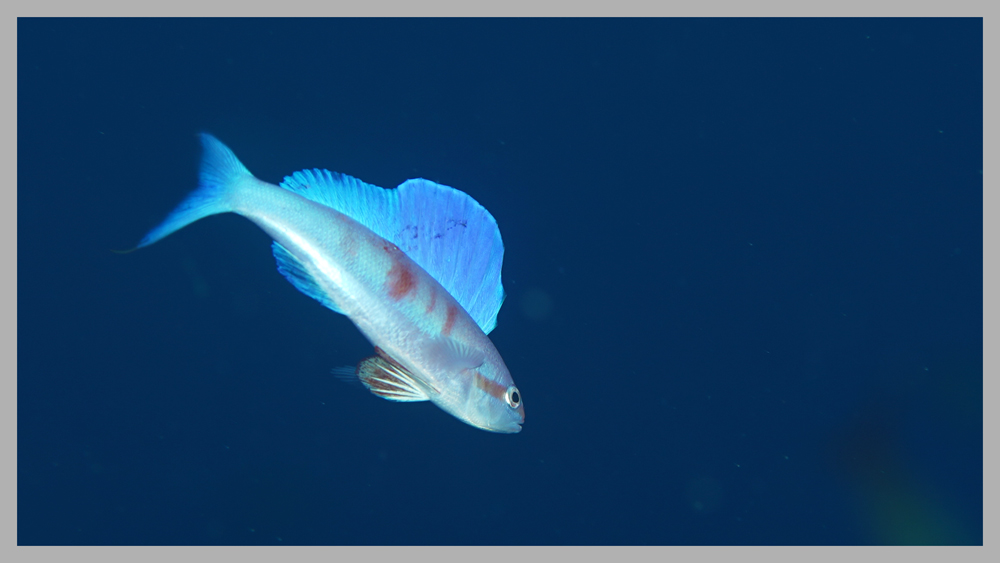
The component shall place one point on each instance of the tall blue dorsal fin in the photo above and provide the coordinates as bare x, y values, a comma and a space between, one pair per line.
370, 205
444, 230
457, 241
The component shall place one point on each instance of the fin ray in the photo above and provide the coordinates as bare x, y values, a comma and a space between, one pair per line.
387, 379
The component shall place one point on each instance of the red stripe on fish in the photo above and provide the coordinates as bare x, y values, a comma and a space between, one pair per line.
433, 300
449, 322
492, 388
400, 279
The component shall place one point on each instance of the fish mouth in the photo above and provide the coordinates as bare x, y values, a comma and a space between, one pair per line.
512, 428
501, 425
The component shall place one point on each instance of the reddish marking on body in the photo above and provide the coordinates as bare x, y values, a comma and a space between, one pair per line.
432, 302
400, 279
449, 321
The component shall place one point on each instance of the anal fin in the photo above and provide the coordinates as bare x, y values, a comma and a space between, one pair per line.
298, 275
389, 380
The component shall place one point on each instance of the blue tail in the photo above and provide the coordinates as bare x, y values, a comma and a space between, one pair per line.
221, 173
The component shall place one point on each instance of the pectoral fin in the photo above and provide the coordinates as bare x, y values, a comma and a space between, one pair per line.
389, 380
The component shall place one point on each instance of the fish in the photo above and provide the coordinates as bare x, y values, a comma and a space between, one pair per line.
416, 268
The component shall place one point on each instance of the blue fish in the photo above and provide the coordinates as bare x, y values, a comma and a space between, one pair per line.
416, 268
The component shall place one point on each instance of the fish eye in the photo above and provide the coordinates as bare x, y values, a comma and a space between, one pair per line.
513, 397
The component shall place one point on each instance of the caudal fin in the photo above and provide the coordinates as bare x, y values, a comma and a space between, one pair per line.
221, 173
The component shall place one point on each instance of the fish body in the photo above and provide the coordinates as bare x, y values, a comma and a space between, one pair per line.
417, 269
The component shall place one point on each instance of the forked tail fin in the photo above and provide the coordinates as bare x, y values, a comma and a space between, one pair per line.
221, 173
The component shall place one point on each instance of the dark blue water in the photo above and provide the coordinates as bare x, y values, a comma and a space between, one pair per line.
743, 264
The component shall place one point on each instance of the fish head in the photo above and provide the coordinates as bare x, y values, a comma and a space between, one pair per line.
492, 400
472, 383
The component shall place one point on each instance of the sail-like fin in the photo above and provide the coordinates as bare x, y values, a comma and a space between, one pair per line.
372, 206
457, 241
444, 230
299, 276
389, 380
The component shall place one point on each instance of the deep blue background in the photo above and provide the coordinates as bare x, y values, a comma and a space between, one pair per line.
743, 265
